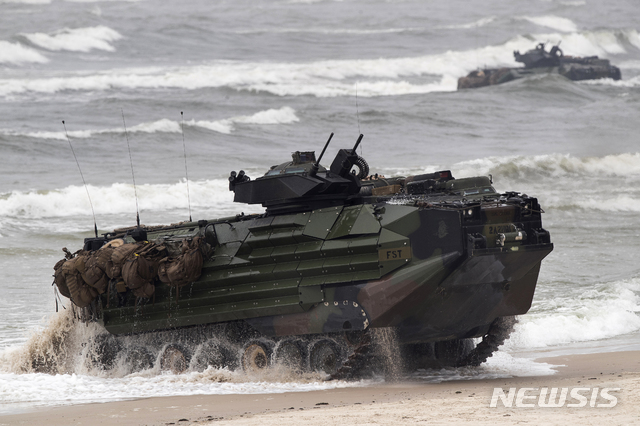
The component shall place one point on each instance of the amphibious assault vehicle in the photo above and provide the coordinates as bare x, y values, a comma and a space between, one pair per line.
539, 61
336, 254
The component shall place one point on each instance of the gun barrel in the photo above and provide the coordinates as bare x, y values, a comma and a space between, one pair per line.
358, 142
325, 148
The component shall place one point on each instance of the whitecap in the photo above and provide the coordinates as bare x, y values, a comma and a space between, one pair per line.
113, 199
77, 39
329, 78
631, 82
475, 24
102, 1
609, 310
631, 65
26, 1
553, 22
16, 53
553, 166
284, 115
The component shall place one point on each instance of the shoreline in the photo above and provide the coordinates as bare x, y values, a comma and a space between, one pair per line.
406, 401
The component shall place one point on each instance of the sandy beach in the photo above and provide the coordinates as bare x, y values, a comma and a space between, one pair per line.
402, 402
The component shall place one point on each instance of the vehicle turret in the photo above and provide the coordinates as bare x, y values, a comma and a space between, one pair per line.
303, 184
539, 57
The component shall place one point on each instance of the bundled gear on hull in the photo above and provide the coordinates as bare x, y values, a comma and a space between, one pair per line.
336, 255
134, 266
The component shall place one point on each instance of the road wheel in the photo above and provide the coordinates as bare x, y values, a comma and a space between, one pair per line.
103, 351
174, 358
451, 352
139, 358
324, 356
256, 356
290, 353
214, 353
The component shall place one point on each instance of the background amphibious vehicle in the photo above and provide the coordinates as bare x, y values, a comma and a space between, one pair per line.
433, 260
539, 61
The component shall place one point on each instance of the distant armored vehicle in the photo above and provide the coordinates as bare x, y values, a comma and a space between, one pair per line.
539, 61
337, 253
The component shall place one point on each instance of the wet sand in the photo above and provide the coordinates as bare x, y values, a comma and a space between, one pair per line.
405, 402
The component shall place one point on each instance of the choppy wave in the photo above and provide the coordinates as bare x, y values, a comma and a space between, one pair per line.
100, 1
574, 3
284, 115
323, 79
16, 53
631, 82
554, 166
26, 1
68, 1
554, 22
602, 202
631, 65
475, 24
610, 310
609, 183
115, 199
323, 30
76, 40
376, 77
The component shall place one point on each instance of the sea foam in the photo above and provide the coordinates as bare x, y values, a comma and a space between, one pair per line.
609, 310
630, 82
114, 199
330, 78
16, 53
557, 165
554, 22
608, 183
76, 40
475, 24
26, 1
284, 115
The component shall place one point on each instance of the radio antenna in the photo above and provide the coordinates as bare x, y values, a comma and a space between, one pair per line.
135, 191
186, 171
95, 226
358, 113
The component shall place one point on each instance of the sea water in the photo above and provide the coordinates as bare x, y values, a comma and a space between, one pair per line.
258, 80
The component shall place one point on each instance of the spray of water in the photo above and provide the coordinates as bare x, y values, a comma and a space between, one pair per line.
47, 350
67, 346
387, 352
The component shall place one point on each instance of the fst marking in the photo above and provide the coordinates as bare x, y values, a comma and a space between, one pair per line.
385, 255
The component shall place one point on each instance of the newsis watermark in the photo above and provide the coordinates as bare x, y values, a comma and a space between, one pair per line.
554, 397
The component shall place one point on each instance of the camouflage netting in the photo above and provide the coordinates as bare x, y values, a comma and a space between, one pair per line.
139, 267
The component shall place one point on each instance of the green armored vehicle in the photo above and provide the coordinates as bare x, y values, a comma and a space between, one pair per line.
539, 61
337, 254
